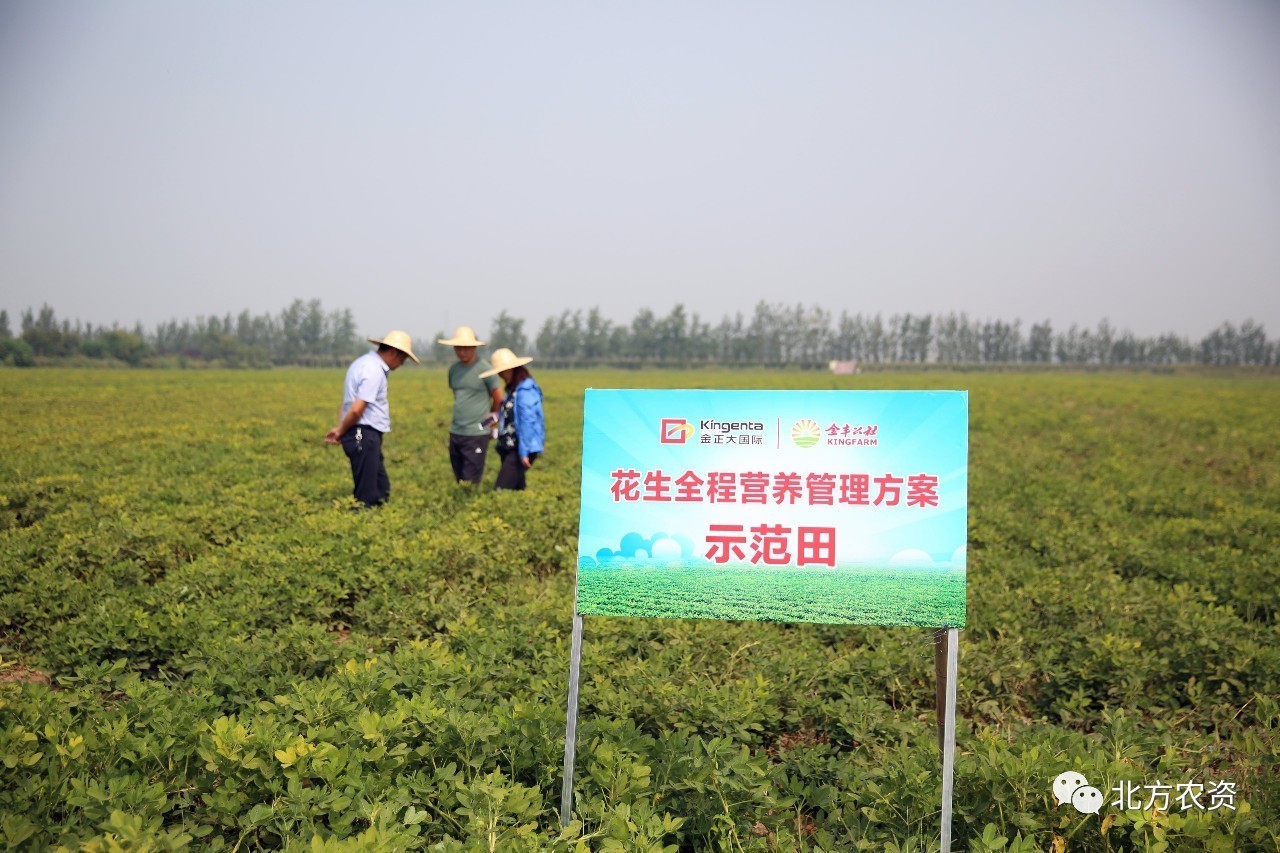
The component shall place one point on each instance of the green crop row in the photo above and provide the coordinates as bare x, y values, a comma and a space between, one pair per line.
202, 646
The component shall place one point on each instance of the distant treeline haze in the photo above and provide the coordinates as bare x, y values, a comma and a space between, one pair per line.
303, 333
778, 335
773, 335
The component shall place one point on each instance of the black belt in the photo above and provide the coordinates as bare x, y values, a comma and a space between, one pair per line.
365, 426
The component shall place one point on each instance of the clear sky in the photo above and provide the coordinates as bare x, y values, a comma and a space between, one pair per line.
428, 164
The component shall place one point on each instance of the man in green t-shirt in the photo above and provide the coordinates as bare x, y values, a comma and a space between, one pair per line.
474, 402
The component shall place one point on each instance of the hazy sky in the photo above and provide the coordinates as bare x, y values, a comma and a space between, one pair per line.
429, 164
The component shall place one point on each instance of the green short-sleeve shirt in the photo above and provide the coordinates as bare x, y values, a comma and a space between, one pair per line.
472, 399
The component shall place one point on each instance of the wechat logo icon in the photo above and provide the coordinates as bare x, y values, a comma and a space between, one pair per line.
1072, 787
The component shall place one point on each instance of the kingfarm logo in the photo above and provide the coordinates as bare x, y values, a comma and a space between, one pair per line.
674, 431
807, 432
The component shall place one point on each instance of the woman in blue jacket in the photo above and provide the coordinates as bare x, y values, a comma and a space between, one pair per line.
521, 429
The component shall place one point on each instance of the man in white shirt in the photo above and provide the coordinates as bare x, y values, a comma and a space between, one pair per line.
365, 416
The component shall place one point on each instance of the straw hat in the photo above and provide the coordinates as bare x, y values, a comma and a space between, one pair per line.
463, 336
504, 359
397, 339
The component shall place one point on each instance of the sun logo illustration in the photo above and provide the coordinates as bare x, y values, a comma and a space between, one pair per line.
806, 433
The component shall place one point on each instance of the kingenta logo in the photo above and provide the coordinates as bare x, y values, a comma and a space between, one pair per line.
712, 425
674, 431
679, 430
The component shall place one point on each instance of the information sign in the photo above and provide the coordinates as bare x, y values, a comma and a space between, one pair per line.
789, 506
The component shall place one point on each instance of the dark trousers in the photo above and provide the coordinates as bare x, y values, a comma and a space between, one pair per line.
466, 455
363, 445
511, 474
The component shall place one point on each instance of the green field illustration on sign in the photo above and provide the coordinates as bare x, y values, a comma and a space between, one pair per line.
844, 507
924, 597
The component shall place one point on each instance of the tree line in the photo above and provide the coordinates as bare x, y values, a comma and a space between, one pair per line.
771, 336
303, 333
812, 337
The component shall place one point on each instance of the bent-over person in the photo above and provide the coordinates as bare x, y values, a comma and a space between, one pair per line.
522, 429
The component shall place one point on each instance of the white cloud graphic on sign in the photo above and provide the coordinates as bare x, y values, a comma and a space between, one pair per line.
659, 546
667, 549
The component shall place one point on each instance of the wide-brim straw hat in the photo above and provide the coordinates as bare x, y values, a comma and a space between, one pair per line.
463, 336
398, 340
504, 359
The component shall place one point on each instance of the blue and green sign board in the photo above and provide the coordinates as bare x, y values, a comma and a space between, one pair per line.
787, 506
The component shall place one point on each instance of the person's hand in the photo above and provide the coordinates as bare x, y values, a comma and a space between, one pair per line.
524, 460
332, 436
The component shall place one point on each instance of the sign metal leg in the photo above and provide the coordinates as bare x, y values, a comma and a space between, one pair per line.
952, 653
571, 727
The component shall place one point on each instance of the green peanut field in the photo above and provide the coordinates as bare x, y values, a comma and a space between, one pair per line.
203, 647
